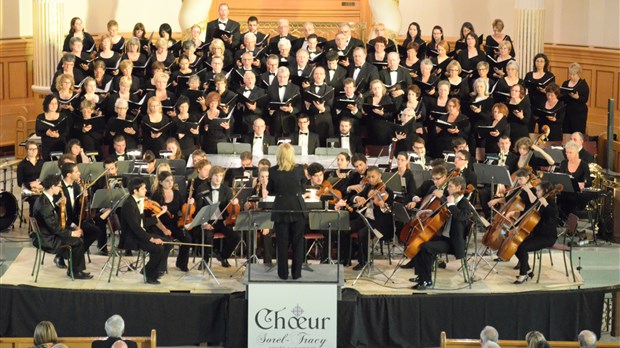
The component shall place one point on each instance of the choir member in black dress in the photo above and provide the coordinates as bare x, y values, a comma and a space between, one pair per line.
286, 183
167, 195
451, 239
118, 42
82, 58
441, 61
414, 35
28, 172
102, 80
123, 93
139, 32
436, 108
491, 44
380, 114
68, 101
498, 62
482, 69
320, 112
584, 155
543, 235
500, 128
414, 101
552, 113
164, 96
436, 38
196, 62
427, 81
194, 36
123, 125
162, 54
470, 57
180, 77
525, 148
579, 171
478, 109
108, 56
575, 94
361, 71
460, 127
126, 69
188, 127
66, 66
411, 60
519, 113
215, 125
51, 126
501, 94
459, 86
89, 89
379, 31
91, 127
408, 130
460, 44
77, 30
156, 127
250, 108
377, 55
536, 81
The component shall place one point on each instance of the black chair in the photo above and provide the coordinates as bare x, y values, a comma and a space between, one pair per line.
39, 257
464, 267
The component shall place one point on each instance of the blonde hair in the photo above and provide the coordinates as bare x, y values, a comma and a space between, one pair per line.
571, 145
285, 157
453, 64
45, 332
64, 77
575, 68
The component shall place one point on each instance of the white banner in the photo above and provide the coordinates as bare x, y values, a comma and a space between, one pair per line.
298, 315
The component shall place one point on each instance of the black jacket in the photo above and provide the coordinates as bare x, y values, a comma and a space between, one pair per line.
288, 187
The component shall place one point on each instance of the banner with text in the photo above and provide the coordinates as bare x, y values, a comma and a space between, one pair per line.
292, 315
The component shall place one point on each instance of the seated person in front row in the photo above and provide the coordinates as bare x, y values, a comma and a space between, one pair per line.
135, 235
52, 235
259, 192
450, 239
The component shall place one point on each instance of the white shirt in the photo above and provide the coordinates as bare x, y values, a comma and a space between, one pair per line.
71, 193
303, 142
257, 146
331, 74
215, 194
281, 91
140, 203
356, 72
393, 77
344, 142
222, 24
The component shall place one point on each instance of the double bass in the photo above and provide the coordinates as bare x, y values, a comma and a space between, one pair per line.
522, 229
426, 229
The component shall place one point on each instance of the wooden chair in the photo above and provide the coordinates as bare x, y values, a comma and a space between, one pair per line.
39, 257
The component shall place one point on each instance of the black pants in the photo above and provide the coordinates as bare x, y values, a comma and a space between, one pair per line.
531, 243
77, 253
230, 241
267, 244
183, 237
290, 233
158, 256
423, 261
92, 232
485, 196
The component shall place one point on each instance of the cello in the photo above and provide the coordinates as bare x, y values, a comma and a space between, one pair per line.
522, 229
427, 228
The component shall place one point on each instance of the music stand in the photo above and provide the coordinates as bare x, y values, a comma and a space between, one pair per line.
369, 266
570, 185
329, 151
204, 215
90, 170
492, 175
327, 220
557, 154
252, 221
233, 148
477, 221
124, 167
49, 167
419, 175
399, 212
110, 198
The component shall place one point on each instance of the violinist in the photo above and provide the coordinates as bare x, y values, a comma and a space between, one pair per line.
266, 235
374, 201
343, 161
167, 195
543, 235
215, 192
357, 177
405, 175
52, 235
452, 237
525, 147
462, 159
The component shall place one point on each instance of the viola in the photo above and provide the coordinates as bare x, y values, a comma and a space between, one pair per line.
187, 210
233, 211
154, 207
327, 189
63, 211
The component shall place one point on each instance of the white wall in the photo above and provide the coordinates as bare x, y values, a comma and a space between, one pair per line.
575, 22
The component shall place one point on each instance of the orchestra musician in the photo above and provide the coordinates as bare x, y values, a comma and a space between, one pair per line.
405, 176
259, 140
74, 148
525, 147
52, 235
523, 187
247, 170
136, 236
505, 158
543, 235
452, 236
348, 139
215, 192
260, 192
343, 161
28, 172
419, 153
374, 201
360, 163
584, 155
579, 171
286, 182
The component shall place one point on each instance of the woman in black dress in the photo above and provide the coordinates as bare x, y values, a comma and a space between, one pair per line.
436, 38
28, 172
575, 94
162, 54
108, 56
215, 125
491, 44
469, 57
580, 173
411, 61
436, 108
525, 148
381, 120
118, 42
414, 35
286, 182
478, 111
500, 127
51, 126
405, 177
536, 81
187, 126
543, 235
519, 113
440, 63
77, 30
459, 86
167, 195
552, 113
156, 127
460, 127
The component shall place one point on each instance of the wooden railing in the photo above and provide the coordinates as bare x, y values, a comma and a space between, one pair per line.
467, 343
77, 342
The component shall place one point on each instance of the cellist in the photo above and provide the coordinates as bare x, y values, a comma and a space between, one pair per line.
452, 238
543, 235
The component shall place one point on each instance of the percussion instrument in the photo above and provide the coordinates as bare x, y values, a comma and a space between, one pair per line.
8, 210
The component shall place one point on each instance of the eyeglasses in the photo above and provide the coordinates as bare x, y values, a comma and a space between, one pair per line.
438, 178
33, 149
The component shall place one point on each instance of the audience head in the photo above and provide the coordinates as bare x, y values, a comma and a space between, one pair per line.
586, 339
533, 337
115, 326
45, 332
488, 334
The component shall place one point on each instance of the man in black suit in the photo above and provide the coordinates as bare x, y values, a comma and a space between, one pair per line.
114, 328
349, 105
462, 163
247, 170
308, 141
215, 192
302, 42
208, 77
135, 235
236, 78
316, 56
361, 71
269, 78
253, 28
258, 139
505, 158
120, 148
52, 235
347, 137
283, 33
395, 78
584, 155
301, 71
282, 116
339, 46
227, 24
249, 45
248, 112
450, 240
335, 74
320, 111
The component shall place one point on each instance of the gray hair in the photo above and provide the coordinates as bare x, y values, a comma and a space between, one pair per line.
512, 64
120, 102
490, 344
572, 146
284, 43
427, 61
115, 326
284, 69
485, 83
119, 344
586, 339
249, 35
489, 334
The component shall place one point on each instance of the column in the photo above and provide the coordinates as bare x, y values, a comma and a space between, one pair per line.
530, 33
48, 33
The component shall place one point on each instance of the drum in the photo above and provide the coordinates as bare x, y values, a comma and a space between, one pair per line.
8, 210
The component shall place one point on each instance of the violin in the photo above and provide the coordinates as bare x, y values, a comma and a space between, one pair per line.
327, 189
187, 210
62, 204
233, 211
154, 207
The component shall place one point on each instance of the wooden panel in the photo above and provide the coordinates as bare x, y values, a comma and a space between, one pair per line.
18, 80
603, 88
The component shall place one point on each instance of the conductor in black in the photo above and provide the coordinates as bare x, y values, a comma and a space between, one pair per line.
286, 182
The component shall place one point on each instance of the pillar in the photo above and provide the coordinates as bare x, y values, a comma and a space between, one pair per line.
48, 33
530, 35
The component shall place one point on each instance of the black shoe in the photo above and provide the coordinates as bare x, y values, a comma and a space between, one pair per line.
142, 271
82, 275
182, 268
128, 253
415, 280
295, 277
103, 252
225, 263
152, 281
521, 279
359, 266
422, 285
408, 265
60, 262
160, 274
441, 264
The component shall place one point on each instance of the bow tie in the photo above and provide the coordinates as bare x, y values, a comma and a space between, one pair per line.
300, 70
215, 189
344, 135
282, 86
272, 74
258, 137
393, 71
70, 187
332, 70
358, 67
302, 133
247, 90
218, 22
